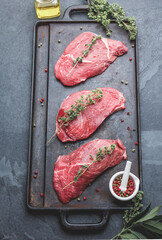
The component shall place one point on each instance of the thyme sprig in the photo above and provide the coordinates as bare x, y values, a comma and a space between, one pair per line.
101, 153
79, 106
102, 11
85, 52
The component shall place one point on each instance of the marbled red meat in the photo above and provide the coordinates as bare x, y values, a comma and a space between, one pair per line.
89, 119
103, 53
67, 167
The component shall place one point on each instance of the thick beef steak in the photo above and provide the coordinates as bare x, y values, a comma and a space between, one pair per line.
100, 56
89, 119
73, 172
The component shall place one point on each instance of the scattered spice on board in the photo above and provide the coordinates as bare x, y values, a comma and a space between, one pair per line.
117, 190
42, 34
38, 100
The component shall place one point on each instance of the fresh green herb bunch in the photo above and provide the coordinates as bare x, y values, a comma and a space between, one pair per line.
101, 153
148, 224
79, 106
102, 11
135, 210
85, 52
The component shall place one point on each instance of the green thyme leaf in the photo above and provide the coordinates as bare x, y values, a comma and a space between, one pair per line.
85, 166
75, 179
79, 171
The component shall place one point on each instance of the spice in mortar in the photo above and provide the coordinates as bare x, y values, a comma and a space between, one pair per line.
117, 190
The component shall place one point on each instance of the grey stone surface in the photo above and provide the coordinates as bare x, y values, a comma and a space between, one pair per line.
17, 19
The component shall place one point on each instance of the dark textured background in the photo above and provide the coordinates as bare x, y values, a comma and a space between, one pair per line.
17, 19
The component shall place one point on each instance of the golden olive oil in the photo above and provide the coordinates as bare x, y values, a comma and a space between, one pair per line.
47, 8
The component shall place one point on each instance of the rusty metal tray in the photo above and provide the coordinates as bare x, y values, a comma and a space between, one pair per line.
44, 84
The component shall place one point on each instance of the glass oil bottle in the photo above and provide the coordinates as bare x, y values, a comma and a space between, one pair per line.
47, 8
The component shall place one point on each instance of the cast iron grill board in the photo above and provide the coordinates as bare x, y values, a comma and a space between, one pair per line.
42, 158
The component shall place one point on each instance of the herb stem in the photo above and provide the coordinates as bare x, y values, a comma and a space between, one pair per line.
79, 106
84, 52
100, 155
79, 176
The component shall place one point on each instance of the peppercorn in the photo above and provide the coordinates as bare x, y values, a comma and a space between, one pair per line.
41, 194
59, 41
122, 120
97, 190
129, 190
126, 83
81, 28
35, 176
122, 81
36, 172
128, 128
128, 113
34, 125
133, 150
132, 45
130, 59
136, 143
46, 70
84, 198
78, 199
134, 129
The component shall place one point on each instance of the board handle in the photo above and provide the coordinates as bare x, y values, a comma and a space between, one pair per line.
84, 226
75, 8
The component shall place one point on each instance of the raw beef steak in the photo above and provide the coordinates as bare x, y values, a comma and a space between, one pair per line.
68, 167
100, 56
91, 118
